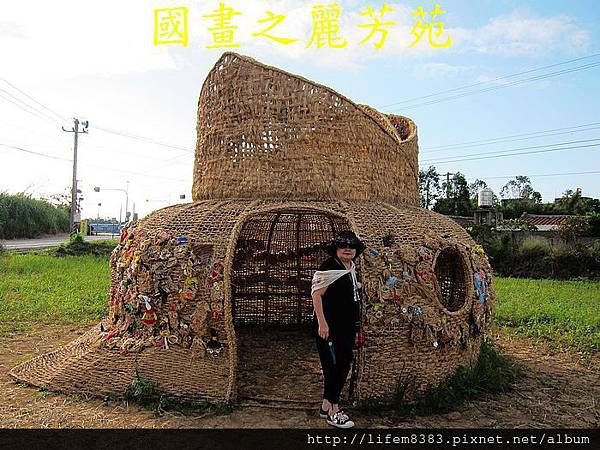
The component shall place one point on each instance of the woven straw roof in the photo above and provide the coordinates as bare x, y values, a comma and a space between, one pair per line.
265, 133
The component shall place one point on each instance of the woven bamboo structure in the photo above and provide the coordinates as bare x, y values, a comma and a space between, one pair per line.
211, 300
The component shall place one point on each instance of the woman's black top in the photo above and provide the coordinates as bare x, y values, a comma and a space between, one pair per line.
341, 311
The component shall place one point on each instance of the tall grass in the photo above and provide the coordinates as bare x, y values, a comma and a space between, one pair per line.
563, 313
24, 217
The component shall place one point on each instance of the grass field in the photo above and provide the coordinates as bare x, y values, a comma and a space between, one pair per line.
43, 288
74, 289
565, 313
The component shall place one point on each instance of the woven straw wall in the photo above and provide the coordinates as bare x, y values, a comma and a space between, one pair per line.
271, 143
264, 133
408, 330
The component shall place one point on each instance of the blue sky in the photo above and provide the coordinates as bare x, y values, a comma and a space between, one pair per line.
96, 60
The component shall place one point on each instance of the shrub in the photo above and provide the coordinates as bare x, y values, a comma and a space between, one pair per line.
534, 259
77, 246
24, 217
502, 253
594, 225
538, 258
573, 227
575, 261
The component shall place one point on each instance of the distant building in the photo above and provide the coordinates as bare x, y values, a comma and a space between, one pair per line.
545, 222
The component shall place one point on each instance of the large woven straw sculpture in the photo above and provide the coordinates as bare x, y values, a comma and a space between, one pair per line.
211, 300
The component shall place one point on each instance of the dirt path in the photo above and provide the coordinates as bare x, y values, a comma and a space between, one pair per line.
557, 391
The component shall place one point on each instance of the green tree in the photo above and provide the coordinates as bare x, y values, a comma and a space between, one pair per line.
458, 200
429, 186
573, 227
572, 202
521, 188
475, 187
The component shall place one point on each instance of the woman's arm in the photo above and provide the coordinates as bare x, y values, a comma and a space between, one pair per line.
317, 298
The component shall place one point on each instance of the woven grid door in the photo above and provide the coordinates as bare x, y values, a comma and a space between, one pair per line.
276, 256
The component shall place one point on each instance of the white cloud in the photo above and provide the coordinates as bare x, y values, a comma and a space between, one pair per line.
429, 70
111, 37
514, 34
66, 39
518, 35
11, 30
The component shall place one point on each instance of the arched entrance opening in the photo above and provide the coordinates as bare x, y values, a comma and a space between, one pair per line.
275, 257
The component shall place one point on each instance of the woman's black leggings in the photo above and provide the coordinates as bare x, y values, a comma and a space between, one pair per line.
335, 361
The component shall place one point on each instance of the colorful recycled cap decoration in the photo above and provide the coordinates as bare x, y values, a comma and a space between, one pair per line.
480, 285
478, 249
214, 347
424, 253
373, 252
391, 281
416, 310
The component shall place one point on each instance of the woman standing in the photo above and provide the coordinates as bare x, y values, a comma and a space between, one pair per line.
336, 320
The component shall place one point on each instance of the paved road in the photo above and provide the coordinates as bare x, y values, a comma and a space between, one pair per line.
48, 241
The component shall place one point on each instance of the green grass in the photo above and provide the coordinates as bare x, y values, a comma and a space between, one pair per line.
46, 289
562, 313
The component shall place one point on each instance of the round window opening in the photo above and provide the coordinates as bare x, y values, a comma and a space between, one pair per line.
450, 272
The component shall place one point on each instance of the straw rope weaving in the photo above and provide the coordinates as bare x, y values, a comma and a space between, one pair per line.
206, 295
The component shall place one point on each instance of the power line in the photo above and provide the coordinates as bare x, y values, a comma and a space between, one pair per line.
516, 149
544, 175
443, 175
504, 139
29, 131
34, 153
135, 173
26, 108
111, 169
495, 88
410, 100
145, 139
61, 118
168, 161
145, 156
516, 154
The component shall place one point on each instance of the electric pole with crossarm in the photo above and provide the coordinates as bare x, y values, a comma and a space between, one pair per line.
75, 130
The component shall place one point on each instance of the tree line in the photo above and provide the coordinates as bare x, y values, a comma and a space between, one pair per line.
454, 195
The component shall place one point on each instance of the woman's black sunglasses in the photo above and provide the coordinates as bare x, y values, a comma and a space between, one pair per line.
346, 245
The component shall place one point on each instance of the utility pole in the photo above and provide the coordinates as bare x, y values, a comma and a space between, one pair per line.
127, 202
448, 184
75, 130
126, 191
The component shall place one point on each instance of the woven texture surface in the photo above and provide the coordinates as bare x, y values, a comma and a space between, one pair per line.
411, 330
282, 164
265, 133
